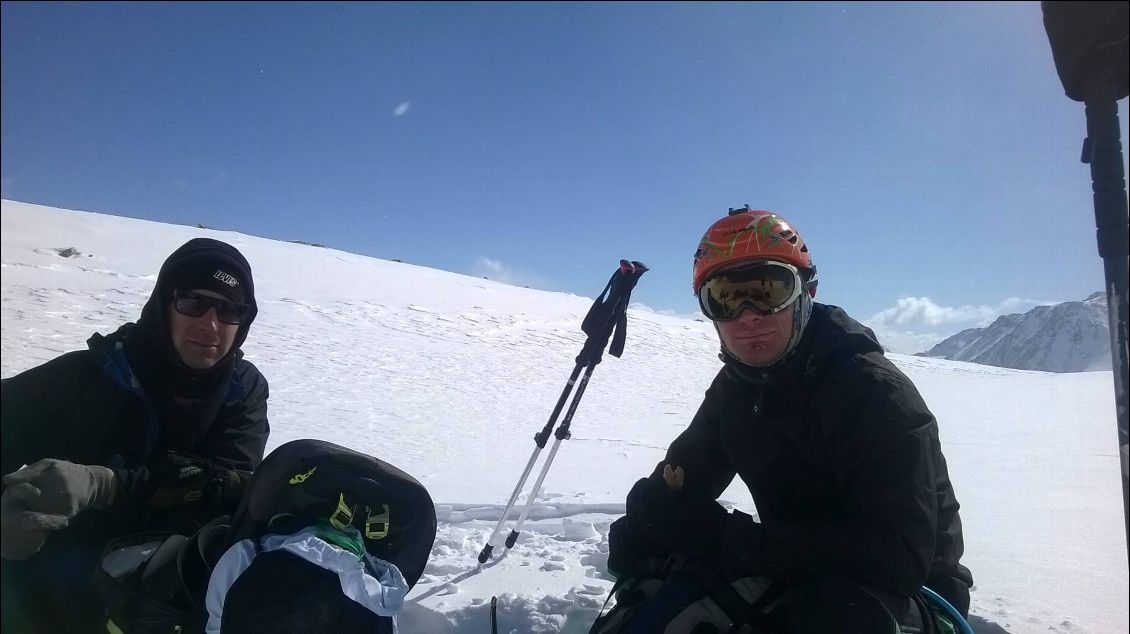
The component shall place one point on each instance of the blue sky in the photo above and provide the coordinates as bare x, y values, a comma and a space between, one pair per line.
925, 151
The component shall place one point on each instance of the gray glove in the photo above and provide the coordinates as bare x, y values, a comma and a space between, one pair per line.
66, 488
22, 531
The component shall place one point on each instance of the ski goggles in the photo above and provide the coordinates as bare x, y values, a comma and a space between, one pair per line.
765, 287
195, 305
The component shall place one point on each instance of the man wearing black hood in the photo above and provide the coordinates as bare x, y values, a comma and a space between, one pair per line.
838, 450
153, 428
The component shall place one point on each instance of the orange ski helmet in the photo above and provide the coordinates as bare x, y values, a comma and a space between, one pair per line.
745, 235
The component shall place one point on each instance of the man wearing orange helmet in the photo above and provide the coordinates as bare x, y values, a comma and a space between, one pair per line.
837, 447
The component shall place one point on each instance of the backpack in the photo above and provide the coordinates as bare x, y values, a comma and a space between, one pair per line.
151, 583
324, 539
676, 595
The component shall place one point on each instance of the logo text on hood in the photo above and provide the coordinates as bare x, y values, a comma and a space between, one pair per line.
226, 278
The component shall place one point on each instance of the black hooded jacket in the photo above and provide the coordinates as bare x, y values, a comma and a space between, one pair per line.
89, 407
843, 461
123, 403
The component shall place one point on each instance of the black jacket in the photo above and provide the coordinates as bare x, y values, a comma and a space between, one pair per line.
88, 407
843, 461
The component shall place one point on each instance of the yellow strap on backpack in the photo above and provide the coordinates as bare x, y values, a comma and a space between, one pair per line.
343, 516
376, 526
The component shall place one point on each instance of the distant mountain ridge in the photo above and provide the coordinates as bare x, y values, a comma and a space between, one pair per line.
1067, 337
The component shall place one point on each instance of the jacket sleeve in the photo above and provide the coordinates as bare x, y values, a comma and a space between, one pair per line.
238, 438
17, 443
879, 435
698, 450
28, 417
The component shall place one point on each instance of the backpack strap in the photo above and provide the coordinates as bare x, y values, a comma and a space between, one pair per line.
160, 578
655, 568
740, 611
611, 593
927, 615
718, 590
946, 611
757, 616
198, 557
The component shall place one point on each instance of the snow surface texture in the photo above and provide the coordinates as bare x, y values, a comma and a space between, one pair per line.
448, 377
1067, 337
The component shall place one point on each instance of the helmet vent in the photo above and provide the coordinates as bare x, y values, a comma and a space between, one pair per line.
789, 236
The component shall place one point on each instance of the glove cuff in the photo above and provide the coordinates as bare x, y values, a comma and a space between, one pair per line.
104, 489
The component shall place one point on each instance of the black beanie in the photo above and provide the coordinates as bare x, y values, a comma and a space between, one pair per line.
203, 263
213, 270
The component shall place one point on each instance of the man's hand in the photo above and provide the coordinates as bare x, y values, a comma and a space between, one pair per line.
674, 477
178, 480
684, 524
66, 488
23, 531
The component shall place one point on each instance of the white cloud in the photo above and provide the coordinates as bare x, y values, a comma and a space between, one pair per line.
904, 342
666, 311
402, 109
493, 269
922, 311
916, 324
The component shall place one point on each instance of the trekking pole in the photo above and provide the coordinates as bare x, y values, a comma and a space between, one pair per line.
562, 434
608, 314
1103, 151
540, 439
1089, 42
617, 313
494, 615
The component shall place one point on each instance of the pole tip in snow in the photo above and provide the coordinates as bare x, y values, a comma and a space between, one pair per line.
484, 554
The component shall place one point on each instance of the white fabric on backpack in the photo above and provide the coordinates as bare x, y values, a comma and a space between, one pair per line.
382, 594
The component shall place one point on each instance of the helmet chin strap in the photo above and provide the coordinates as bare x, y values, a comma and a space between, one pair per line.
801, 314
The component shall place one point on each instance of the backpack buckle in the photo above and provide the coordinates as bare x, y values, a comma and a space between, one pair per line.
343, 515
376, 526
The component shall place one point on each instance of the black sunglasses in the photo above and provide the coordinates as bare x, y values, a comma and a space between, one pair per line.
195, 305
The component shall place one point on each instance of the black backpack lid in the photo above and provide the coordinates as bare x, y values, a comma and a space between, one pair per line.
310, 478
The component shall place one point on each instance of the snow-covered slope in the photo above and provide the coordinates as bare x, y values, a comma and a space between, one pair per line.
1067, 337
448, 377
